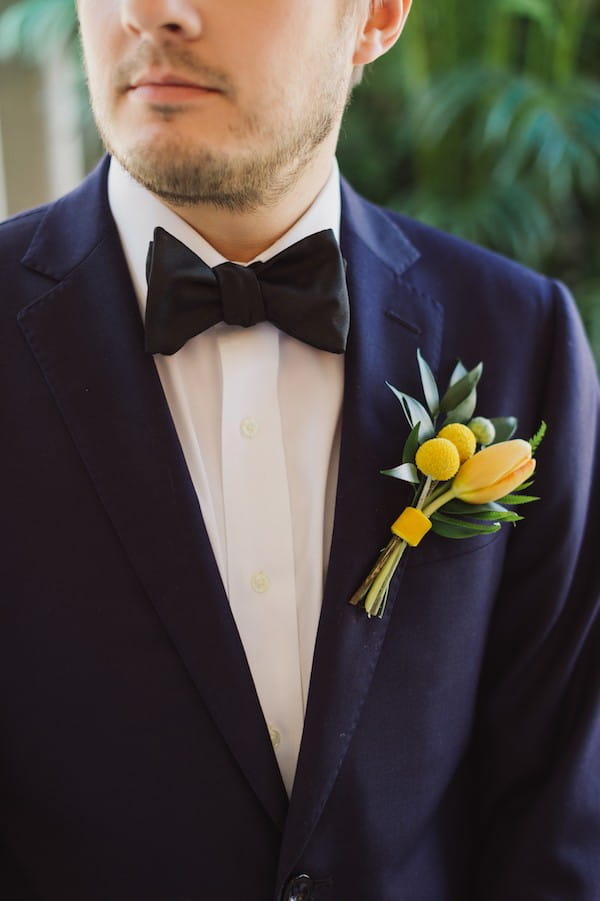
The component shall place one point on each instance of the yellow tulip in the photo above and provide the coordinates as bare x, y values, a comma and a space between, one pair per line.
494, 472
488, 475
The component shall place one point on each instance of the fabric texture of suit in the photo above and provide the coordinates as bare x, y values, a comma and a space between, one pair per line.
450, 751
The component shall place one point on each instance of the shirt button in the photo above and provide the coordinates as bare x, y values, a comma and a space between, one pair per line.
248, 427
275, 736
260, 582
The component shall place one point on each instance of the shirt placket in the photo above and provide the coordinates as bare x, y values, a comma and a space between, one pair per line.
260, 570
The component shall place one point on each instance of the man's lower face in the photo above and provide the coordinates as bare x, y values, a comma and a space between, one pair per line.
175, 156
234, 137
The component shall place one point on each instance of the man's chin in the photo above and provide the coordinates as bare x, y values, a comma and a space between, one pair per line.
182, 172
186, 180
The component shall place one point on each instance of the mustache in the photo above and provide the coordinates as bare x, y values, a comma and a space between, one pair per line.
174, 59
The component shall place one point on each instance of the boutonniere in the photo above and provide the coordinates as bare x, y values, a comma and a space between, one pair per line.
466, 471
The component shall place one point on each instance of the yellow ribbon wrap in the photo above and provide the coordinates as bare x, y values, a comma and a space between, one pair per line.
412, 525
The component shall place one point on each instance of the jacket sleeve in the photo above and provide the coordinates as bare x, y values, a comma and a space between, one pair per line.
537, 741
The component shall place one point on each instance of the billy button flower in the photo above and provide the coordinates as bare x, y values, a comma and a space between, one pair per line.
438, 459
462, 437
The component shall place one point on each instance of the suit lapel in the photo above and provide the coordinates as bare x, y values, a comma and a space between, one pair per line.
390, 320
86, 335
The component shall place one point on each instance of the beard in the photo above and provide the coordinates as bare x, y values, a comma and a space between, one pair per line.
241, 182
272, 150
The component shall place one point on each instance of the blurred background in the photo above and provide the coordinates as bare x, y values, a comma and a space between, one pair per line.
484, 121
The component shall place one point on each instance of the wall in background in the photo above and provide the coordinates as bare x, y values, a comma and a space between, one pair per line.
41, 146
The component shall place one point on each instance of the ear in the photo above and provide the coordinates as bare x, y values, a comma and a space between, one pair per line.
380, 29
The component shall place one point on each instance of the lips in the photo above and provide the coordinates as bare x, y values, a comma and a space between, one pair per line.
168, 87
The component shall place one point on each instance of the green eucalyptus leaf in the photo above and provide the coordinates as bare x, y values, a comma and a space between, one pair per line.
524, 486
449, 530
514, 499
459, 372
496, 516
505, 426
406, 471
415, 412
471, 525
430, 389
412, 445
460, 390
484, 512
461, 508
464, 411
448, 527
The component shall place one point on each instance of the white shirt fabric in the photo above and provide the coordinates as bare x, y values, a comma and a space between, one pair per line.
258, 417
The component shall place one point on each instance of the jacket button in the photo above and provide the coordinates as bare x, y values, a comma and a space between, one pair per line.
299, 888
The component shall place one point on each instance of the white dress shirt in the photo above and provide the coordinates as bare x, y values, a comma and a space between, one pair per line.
258, 417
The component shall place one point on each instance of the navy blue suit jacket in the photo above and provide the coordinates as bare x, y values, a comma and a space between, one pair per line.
450, 751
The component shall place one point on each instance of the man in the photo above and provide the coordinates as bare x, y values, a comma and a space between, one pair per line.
189, 707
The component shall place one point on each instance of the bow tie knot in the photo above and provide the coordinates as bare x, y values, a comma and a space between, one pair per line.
241, 296
302, 291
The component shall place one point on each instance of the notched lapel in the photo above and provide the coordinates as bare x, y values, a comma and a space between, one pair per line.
87, 336
390, 320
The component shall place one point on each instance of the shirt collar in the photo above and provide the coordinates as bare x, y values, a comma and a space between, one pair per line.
137, 212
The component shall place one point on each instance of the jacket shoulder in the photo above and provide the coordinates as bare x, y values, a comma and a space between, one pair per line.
440, 262
42, 246
475, 280
17, 232
453, 252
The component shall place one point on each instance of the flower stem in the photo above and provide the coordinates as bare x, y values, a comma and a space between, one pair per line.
424, 493
377, 595
438, 488
381, 561
438, 502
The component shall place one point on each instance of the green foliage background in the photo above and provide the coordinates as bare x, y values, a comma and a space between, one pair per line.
483, 121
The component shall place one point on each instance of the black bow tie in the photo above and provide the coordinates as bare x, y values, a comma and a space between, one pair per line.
302, 291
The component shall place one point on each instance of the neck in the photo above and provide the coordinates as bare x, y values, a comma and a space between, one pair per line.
242, 236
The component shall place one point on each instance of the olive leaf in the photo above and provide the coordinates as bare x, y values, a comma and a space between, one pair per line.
505, 426
415, 412
458, 373
412, 445
448, 527
430, 388
406, 471
459, 391
515, 498
491, 511
464, 411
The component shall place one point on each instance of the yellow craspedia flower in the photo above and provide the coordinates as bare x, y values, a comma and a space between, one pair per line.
438, 458
461, 437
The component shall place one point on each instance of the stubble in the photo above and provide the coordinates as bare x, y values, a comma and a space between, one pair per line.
272, 149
